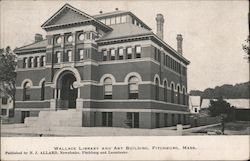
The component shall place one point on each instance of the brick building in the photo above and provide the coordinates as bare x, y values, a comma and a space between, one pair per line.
110, 68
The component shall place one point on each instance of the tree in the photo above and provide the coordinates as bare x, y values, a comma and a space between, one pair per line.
221, 107
246, 49
8, 73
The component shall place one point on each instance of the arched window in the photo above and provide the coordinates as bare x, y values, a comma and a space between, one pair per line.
156, 89
26, 91
165, 91
172, 93
178, 94
108, 88
184, 96
133, 87
43, 90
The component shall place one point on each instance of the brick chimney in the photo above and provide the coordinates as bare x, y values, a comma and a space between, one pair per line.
38, 37
159, 24
179, 43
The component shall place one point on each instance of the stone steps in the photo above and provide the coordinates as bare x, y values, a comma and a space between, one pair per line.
60, 118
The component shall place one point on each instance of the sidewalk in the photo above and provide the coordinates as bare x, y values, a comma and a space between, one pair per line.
21, 130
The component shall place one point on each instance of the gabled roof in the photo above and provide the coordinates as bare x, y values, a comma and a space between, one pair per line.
69, 15
34, 46
125, 30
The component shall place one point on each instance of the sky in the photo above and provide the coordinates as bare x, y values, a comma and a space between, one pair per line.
213, 31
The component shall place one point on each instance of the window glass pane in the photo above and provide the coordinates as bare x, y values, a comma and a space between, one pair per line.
108, 21
123, 19
112, 52
4, 100
112, 20
81, 54
118, 19
105, 54
129, 50
58, 54
138, 49
70, 56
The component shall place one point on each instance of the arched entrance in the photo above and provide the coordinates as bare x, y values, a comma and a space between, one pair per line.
67, 94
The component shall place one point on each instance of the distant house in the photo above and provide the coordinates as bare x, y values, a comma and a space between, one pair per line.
194, 104
6, 105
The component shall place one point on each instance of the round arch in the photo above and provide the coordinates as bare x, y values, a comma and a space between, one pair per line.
165, 81
184, 91
26, 80
41, 82
172, 83
60, 72
132, 74
106, 76
157, 77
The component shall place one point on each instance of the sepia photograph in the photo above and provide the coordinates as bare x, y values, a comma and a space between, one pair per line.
76, 70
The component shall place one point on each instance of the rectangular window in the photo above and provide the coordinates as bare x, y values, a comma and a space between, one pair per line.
179, 118
129, 53
108, 91
173, 120
118, 19
133, 119
3, 112
107, 119
105, 55
58, 57
87, 52
112, 20
81, 52
124, 19
165, 119
112, 53
108, 21
25, 60
4, 101
120, 53
157, 120
69, 54
35, 61
138, 51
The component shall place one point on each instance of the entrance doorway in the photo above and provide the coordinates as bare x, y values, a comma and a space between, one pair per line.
68, 94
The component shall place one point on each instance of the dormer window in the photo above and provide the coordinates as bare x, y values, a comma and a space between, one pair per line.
124, 19
108, 21
112, 20
118, 19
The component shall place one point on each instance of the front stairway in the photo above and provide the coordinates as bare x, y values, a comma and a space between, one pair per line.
63, 118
